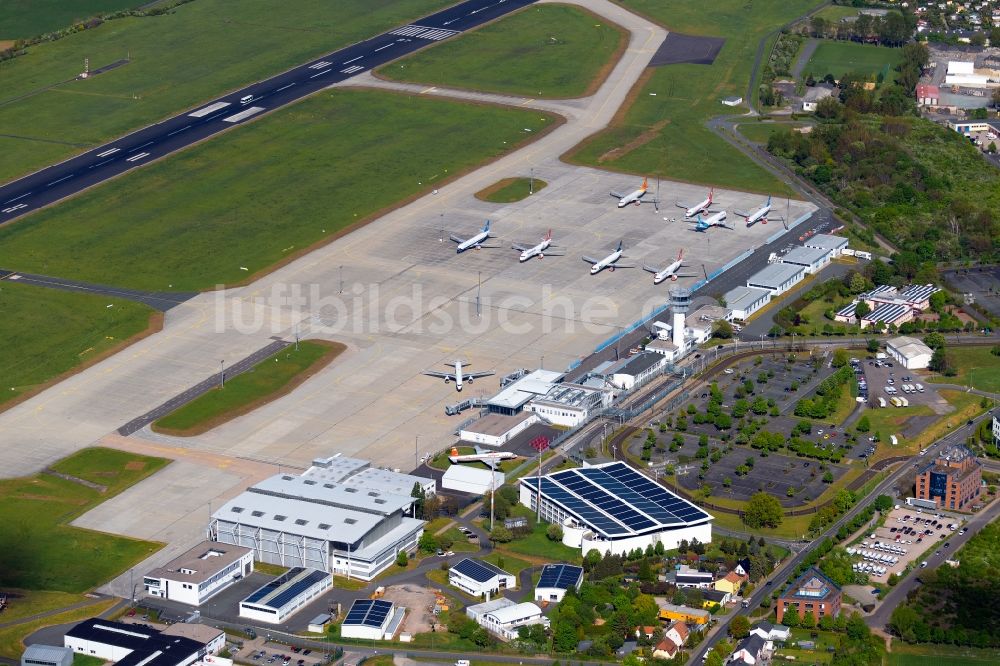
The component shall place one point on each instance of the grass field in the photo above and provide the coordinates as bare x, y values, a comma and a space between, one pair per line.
976, 367
509, 564
665, 135
12, 638
836, 12
538, 545
265, 192
194, 53
904, 654
540, 51
510, 190
25, 603
839, 58
47, 333
86, 660
270, 379
761, 132
20, 19
51, 555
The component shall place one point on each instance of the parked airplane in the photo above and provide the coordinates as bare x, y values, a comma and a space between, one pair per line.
610, 262
634, 197
668, 272
458, 376
491, 459
540, 250
475, 241
717, 220
760, 215
698, 208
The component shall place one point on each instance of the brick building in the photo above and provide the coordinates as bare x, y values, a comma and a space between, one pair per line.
813, 593
954, 480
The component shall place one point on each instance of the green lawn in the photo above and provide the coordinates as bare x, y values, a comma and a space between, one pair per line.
836, 12
20, 19
12, 638
510, 190
839, 58
540, 51
264, 192
51, 555
891, 420
266, 381
459, 542
178, 60
976, 366
761, 132
86, 660
25, 603
664, 134
904, 654
46, 333
509, 564
538, 545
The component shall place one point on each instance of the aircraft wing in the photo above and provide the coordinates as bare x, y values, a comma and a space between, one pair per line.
617, 195
457, 239
681, 204
442, 375
523, 247
616, 265
742, 213
477, 375
647, 267
680, 275
591, 260
553, 253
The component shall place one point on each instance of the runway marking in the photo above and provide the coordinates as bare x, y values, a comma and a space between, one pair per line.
428, 90
60, 180
108, 152
94, 166
321, 65
352, 69
243, 114
381, 48
16, 198
325, 71
179, 131
284, 87
13, 208
209, 109
423, 32
352, 60
137, 157
148, 143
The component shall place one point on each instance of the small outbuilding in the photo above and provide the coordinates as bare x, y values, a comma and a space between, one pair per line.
555, 580
473, 480
47, 655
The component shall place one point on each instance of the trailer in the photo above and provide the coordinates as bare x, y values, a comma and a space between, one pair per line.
881, 401
903, 402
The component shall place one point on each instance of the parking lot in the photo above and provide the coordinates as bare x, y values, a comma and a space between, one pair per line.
888, 379
983, 283
907, 536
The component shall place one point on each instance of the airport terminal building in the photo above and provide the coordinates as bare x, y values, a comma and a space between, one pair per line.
614, 508
339, 516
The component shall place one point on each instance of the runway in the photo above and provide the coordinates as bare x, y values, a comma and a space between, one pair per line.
150, 143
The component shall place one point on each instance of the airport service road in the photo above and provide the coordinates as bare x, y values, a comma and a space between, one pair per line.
155, 141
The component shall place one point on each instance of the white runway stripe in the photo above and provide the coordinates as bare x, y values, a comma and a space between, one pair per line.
209, 109
320, 65
246, 113
135, 158
352, 69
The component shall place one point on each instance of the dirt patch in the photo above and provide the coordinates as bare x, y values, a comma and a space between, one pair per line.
6, 44
335, 349
418, 601
637, 142
135, 465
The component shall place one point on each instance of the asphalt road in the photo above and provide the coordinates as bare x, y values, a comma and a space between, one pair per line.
155, 141
780, 577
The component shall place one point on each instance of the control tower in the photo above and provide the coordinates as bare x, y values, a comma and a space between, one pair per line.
680, 302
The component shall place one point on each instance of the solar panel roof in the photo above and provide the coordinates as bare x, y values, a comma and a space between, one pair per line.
616, 500
286, 587
477, 570
560, 576
369, 613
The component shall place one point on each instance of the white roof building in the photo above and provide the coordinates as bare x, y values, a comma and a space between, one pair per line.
570, 404
286, 595
474, 480
555, 580
911, 353
665, 348
47, 655
834, 244
777, 278
200, 573
497, 429
505, 620
513, 398
479, 578
744, 301
812, 259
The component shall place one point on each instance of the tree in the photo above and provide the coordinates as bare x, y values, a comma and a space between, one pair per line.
861, 310
500, 534
943, 362
427, 542
723, 329
554, 532
872, 345
840, 358
882, 503
739, 627
829, 107
402, 559
863, 424
934, 340
762, 510
938, 300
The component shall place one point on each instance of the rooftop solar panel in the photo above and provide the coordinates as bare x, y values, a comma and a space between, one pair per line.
286, 587
368, 612
478, 571
559, 576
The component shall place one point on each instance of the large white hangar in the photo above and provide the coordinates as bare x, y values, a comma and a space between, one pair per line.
612, 507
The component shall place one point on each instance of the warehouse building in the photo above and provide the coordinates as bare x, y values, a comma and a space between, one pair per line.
132, 645
571, 404
284, 596
339, 516
497, 429
744, 301
47, 655
555, 580
613, 508
200, 573
480, 578
372, 619
909, 352
777, 278
812, 259
472, 480
835, 245
502, 617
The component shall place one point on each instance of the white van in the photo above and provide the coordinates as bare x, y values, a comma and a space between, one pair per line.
246, 99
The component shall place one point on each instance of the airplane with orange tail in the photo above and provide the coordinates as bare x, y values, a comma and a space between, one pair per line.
491, 459
634, 197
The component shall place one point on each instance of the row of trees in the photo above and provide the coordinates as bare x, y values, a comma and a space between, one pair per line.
828, 394
893, 29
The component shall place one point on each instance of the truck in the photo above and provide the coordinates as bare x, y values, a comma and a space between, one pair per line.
903, 402
881, 356
881, 401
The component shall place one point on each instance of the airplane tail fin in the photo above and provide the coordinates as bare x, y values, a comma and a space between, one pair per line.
768, 199
645, 184
548, 236
619, 248
680, 255
486, 227
711, 194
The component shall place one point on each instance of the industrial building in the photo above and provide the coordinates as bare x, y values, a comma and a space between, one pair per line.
777, 278
497, 429
132, 645
472, 480
570, 404
555, 580
811, 593
284, 596
812, 259
372, 619
909, 352
502, 616
632, 372
513, 398
953, 481
200, 573
744, 301
835, 245
480, 578
339, 516
889, 305
613, 508
47, 655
